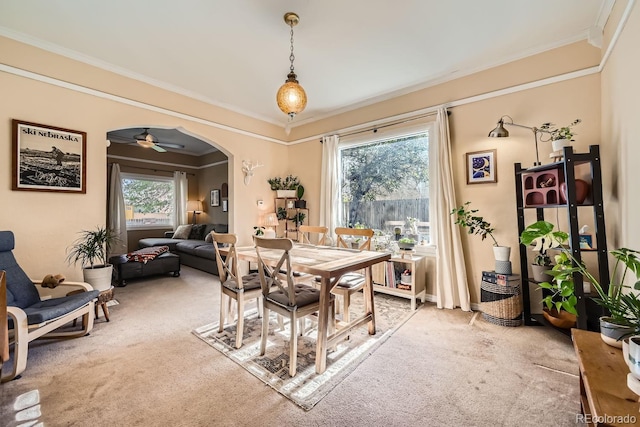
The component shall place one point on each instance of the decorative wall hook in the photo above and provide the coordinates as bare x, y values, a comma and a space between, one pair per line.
247, 169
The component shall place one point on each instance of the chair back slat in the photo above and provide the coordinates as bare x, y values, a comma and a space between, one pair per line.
366, 233
228, 267
304, 232
279, 274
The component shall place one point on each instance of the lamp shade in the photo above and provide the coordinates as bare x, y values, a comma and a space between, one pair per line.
270, 220
291, 97
499, 131
194, 205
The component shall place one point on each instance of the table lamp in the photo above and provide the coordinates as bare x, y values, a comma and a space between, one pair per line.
269, 221
196, 207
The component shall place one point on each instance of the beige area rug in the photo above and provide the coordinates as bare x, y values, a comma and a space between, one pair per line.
306, 388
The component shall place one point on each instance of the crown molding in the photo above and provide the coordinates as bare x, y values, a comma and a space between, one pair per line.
155, 162
89, 60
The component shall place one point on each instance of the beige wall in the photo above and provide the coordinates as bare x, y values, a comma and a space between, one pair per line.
558, 102
621, 129
47, 223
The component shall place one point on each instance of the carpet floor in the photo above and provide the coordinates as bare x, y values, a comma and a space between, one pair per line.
146, 368
306, 388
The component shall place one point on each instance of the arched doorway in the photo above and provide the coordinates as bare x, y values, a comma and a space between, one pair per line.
153, 154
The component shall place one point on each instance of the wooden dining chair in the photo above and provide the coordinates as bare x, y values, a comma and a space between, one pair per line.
351, 282
232, 285
305, 232
285, 297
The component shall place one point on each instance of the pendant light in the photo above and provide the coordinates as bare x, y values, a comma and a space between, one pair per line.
291, 97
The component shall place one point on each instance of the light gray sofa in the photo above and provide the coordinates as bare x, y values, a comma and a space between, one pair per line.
195, 251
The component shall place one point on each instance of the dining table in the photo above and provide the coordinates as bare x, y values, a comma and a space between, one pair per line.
329, 264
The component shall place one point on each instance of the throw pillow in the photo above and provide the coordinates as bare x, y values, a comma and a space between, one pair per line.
182, 232
209, 238
197, 232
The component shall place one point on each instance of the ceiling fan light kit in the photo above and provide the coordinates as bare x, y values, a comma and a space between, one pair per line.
291, 97
146, 140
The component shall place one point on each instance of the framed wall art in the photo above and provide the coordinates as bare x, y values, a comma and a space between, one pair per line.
48, 158
215, 197
481, 167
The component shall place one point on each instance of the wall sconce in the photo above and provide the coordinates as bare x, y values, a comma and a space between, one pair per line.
247, 170
270, 221
501, 132
196, 207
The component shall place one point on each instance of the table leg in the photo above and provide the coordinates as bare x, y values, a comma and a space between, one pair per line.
368, 295
323, 320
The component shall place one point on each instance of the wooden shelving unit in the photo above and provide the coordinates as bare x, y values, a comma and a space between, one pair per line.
387, 280
532, 197
288, 228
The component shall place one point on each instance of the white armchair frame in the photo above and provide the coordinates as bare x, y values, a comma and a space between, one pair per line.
23, 333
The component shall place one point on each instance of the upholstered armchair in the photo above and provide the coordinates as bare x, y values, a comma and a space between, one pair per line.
33, 313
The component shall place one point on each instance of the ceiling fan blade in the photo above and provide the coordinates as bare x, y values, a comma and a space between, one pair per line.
158, 148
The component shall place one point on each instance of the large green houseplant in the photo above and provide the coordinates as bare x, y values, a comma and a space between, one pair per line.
623, 306
616, 297
91, 250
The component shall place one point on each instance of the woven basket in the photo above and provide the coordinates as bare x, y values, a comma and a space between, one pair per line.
501, 304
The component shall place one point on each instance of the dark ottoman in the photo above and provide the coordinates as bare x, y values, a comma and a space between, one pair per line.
124, 270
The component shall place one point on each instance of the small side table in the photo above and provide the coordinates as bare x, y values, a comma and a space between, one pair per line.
103, 298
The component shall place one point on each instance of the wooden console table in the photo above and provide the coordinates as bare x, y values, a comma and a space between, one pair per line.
605, 399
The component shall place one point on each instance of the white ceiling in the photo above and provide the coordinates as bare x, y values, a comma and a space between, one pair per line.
348, 52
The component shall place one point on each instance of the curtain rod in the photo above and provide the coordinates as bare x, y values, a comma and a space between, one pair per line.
151, 169
374, 129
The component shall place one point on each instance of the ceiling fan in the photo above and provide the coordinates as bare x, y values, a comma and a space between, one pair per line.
147, 140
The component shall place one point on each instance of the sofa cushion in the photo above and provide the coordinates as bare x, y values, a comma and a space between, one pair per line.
183, 231
208, 238
190, 246
205, 251
197, 232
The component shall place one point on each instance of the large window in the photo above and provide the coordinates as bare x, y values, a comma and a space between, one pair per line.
148, 200
385, 185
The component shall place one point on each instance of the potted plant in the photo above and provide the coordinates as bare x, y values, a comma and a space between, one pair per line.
258, 231
623, 306
560, 301
285, 187
560, 137
466, 218
301, 204
298, 218
406, 243
281, 213
90, 250
541, 235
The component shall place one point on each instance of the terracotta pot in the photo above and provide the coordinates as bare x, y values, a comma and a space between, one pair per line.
564, 319
582, 190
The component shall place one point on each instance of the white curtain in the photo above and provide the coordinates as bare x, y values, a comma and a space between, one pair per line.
452, 289
329, 187
117, 215
182, 191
